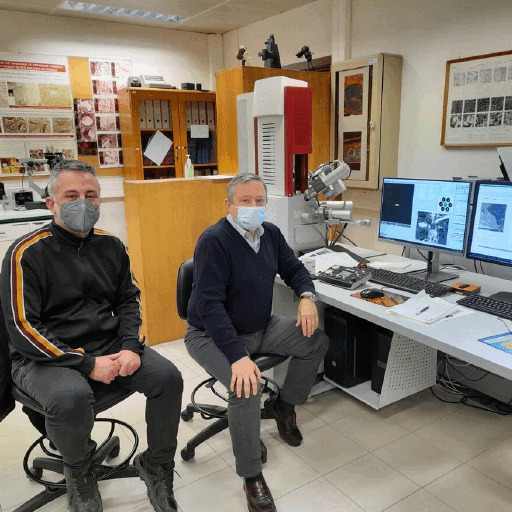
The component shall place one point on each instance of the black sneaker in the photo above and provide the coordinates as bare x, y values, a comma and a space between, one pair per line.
159, 481
82, 490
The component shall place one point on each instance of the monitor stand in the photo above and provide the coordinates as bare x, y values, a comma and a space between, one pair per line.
433, 274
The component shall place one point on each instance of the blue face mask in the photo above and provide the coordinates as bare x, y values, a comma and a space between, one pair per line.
250, 217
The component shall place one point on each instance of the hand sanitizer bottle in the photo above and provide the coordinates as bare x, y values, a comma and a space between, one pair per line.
189, 168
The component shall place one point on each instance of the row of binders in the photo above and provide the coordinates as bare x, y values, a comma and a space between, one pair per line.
200, 112
155, 114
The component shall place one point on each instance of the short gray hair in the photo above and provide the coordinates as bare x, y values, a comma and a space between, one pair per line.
243, 178
68, 165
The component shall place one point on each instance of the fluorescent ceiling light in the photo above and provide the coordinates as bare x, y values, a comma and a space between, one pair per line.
121, 11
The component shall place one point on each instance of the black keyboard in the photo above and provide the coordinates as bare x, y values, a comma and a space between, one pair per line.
487, 305
408, 283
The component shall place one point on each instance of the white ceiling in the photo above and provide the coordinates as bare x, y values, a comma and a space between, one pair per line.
207, 16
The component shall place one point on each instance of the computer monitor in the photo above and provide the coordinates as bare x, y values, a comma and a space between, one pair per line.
490, 227
426, 214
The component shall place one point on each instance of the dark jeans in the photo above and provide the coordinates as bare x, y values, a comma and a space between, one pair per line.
68, 397
280, 337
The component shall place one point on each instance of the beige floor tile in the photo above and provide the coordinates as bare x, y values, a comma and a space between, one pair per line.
16, 421
317, 496
466, 433
132, 410
222, 491
326, 449
420, 501
371, 483
14, 445
285, 471
419, 410
333, 405
205, 462
15, 486
417, 459
467, 490
495, 462
370, 429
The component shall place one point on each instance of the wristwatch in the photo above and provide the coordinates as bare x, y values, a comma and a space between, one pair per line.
309, 295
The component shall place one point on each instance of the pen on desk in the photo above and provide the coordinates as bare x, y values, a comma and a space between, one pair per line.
423, 310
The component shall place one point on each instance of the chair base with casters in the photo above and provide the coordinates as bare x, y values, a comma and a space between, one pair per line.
109, 448
209, 411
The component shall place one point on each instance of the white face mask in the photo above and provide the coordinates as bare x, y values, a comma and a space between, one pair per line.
250, 217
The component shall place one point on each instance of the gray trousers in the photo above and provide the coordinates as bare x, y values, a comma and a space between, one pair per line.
280, 337
67, 397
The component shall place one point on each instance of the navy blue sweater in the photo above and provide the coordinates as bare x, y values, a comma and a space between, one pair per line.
233, 285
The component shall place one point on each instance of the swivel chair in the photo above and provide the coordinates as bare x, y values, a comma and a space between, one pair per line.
109, 448
209, 411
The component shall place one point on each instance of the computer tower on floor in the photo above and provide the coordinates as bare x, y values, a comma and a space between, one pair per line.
348, 361
381, 344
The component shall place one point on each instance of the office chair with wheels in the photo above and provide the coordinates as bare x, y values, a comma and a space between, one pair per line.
210, 411
52, 462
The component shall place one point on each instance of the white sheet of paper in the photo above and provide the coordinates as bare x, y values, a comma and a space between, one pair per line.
158, 147
199, 131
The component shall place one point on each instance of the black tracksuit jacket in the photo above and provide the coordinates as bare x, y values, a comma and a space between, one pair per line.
66, 299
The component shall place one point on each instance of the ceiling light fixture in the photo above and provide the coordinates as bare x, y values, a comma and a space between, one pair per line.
121, 11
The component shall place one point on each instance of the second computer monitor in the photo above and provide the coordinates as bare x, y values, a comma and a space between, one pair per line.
430, 214
490, 232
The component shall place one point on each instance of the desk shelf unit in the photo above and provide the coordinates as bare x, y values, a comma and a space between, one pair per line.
411, 367
174, 112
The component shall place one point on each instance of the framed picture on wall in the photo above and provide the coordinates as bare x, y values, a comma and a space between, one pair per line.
477, 108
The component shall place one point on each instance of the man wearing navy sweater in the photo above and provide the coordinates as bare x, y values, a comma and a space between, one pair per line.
229, 317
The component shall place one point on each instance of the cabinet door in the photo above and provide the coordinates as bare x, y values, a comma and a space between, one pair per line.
159, 136
198, 134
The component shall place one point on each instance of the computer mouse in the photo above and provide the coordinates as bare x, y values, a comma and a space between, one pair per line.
371, 293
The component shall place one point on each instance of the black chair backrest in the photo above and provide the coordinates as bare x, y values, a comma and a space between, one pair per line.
6, 399
184, 287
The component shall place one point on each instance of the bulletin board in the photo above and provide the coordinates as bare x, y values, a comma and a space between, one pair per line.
82, 89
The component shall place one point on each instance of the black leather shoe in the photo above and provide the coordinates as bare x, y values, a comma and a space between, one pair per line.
287, 425
259, 498
159, 481
82, 490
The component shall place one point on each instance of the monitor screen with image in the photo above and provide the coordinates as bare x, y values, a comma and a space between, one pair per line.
426, 214
490, 229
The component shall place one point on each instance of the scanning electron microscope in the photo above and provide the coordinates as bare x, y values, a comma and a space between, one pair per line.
274, 140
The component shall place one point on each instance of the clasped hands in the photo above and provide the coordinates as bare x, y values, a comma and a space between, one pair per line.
107, 368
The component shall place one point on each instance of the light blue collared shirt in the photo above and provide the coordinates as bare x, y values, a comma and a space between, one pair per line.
253, 242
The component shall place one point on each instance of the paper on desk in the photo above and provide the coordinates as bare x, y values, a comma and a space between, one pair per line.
425, 309
389, 264
325, 259
158, 146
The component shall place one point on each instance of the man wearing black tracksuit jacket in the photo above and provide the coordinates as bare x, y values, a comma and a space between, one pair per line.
72, 311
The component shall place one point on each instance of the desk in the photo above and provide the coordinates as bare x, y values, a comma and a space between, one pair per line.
457, 336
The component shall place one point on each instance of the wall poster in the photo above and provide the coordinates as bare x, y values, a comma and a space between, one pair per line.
477, 107
107, 76
36, 110
353, 134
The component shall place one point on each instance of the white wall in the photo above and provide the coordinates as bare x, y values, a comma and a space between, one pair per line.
179, 56
427, 34
308, 25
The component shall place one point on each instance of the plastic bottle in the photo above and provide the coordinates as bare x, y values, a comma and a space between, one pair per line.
189, 168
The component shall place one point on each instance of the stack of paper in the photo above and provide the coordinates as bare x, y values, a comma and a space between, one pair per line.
425, 309
322, 259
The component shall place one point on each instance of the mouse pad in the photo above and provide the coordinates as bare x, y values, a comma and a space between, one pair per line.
387, 300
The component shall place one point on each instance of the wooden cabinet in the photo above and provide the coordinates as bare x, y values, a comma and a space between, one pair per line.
235, 81
187, 118
365, 117
164, 219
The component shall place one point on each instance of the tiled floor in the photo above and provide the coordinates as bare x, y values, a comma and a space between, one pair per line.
419, 454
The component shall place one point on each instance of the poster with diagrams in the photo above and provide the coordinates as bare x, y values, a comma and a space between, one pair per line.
107, 76
36, 109
478, 101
